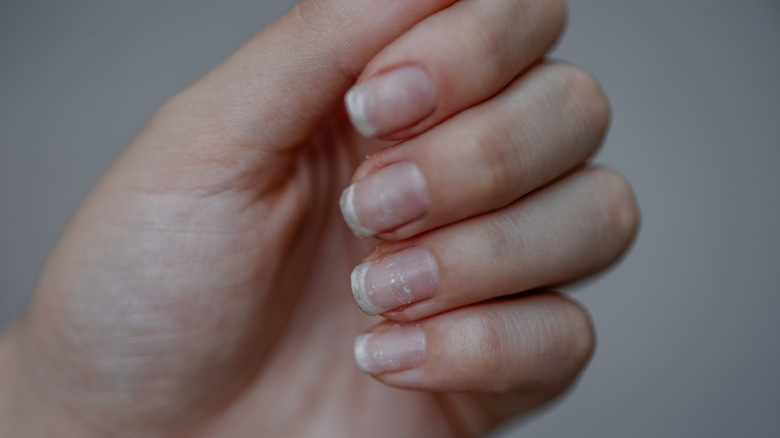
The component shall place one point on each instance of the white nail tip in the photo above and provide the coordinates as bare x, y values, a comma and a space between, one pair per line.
392, 350
356, 109
362, 358
360, 292
347, 204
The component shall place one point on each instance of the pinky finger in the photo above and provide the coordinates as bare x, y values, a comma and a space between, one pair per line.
536, 344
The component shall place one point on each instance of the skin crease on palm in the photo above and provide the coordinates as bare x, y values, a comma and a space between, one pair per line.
202, 288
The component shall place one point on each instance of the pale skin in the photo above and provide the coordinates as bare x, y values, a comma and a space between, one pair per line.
202, 289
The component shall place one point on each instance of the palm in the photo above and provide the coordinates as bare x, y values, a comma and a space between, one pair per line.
309, 381
248, 319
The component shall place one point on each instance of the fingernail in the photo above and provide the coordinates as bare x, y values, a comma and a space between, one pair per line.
402, 278
394, 100
389, 197
396, 349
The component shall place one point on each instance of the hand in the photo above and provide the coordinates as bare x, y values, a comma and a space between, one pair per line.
202, 289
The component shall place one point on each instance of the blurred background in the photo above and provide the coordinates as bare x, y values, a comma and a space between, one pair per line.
688, 323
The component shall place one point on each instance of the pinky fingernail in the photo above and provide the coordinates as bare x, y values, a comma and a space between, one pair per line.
396, 349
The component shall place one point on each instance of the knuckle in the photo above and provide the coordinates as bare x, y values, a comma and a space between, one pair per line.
560, 12
564, 336
552, 13
500, 343
501, 161
502, 235
588, 98
581, 337
566, 339
324, 29
496, 165
486, 349
506, 47
619, 210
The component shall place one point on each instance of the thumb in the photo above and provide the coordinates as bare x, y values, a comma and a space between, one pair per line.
285, 81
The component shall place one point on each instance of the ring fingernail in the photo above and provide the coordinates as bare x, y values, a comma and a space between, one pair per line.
389, 197
394, 100
396, 349
402, 278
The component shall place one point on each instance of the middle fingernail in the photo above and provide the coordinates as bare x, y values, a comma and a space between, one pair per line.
389, 197
400, 279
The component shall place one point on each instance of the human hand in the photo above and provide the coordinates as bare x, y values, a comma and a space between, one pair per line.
202, 287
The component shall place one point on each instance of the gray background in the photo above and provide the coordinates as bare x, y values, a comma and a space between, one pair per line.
689, 333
